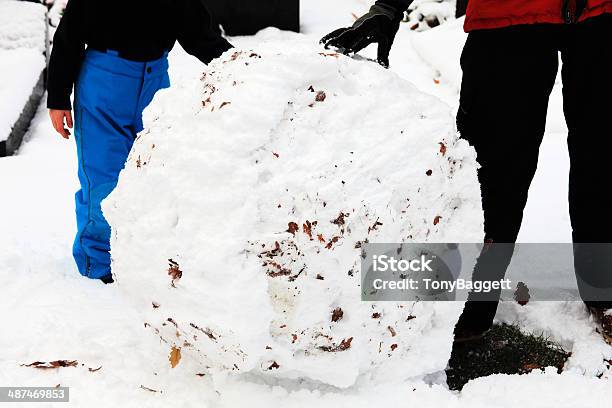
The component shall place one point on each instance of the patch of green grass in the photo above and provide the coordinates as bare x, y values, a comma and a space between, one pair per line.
503, 350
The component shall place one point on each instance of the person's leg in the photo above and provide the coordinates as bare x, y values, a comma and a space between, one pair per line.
108, 109
587, 61
508, 75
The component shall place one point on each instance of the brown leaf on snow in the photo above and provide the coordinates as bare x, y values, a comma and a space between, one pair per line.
429, 172
437, 220
307, 228
93, 370
52, 364
224, 104
392, 331
442, 148
274, 366
337, 314
339, 220
175, 356
174, 272
393, 347
375, 315
293, 228
375, 226
320, 96
332, 242
345, 344
320, 238
208, 332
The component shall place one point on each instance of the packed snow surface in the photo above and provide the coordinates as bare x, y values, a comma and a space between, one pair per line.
259, 180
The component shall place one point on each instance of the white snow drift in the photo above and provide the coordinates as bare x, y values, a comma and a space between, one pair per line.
238, 219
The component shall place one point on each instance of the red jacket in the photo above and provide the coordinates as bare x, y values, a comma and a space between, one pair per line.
483, 14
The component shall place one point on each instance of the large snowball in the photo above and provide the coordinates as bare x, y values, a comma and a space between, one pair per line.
258, 181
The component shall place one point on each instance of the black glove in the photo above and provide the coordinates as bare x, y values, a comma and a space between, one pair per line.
379, 25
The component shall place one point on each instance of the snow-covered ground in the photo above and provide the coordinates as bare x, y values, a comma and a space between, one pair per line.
48, 312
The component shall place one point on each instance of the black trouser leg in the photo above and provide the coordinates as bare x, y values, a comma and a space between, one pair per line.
587, 101
508, 75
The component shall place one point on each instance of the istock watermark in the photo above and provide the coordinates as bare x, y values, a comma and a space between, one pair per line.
521, 272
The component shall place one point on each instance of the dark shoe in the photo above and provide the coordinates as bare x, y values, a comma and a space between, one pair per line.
475, 321
108, 279
603, 317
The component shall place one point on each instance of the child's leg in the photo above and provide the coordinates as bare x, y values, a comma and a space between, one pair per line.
108, 112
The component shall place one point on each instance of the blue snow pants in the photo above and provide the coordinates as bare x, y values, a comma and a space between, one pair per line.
110, 96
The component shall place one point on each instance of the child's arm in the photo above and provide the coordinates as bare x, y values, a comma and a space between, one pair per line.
197, 36
66, 57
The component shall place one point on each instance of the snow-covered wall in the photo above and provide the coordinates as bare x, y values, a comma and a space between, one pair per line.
238, 220
22, 44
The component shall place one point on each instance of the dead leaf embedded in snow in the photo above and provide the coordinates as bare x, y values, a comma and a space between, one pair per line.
337, 314
93, 370
148, 389
293, 228
307, 227
345, 344
175, 356
320, 96
437, 220
52, 364
442, 148
340, 219
174, 272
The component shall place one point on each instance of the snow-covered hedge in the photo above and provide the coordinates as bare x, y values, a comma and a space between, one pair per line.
22, 25
238, 221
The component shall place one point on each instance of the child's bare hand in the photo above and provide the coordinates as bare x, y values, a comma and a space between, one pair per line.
57, 119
